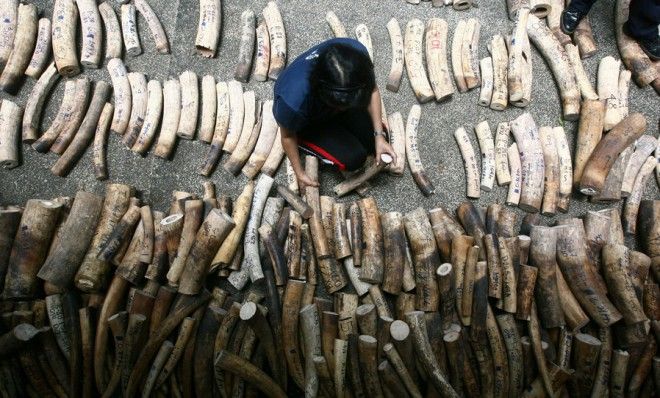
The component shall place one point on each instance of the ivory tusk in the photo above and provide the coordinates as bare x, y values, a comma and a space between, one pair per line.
556, 57
456, 59
590, 131
364, 37
394, 243
170, 123
494, 270
513, 6
9, 14
532, 164
608, 89
291, 302
151, 118
191, 223
470, 53
219, 130
249, 134
264, 144
277, 33
423, 348
10, 124
644, 147
461, 5
129, 30
310, 325
470, 163
414, 51
113, 39
246, 47
209, 109
372, 266
436, 58
565, 168
65, 15
487, 146
227, 250
189, 105
445, 229
497, 48
612, 187
292, 245
93, 272
251, 266
551, 180
398, 141
571, 256
412, 153
121, 88
508, 301
501, 157
586, 89
92, 35
518, 56
157, 366
85, 134
425, 257
208, 28
237, 114
70, 126
643, 69
633, 201
615, 260
356, 181
486, 92
30, 247
540, 8
396, 68
554, 20
275, 156
35, 104
335, 24
584, 38
515, 186
542, 256
155, 26
619, 367
262, 56
139, 99
62, 263
208, 239
42, 49
24, 43
608, 150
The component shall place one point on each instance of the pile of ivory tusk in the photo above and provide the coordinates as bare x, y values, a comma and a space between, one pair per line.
106, 296
538, 168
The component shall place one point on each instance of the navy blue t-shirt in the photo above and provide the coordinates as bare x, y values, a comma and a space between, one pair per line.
293, 106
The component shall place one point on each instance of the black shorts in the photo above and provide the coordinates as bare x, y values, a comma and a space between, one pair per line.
345, 140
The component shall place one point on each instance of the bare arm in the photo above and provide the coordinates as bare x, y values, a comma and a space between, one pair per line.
290, 145
376, 112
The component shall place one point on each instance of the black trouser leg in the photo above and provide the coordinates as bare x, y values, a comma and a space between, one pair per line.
582, 6
643, 19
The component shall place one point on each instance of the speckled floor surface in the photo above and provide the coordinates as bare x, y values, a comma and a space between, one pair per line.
305, 26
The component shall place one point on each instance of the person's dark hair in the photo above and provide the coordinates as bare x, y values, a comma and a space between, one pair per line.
343, 77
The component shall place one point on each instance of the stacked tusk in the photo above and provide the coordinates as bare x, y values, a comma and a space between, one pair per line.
24, 43
277, 33
335, 24
10, 134
412, 153
396, 69
65, 15
113, 39
155, 26
129, 30
42, 49
555, 55
436, 59
414, 53
208, 29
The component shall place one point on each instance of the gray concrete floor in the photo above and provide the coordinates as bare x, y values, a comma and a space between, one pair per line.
305, 26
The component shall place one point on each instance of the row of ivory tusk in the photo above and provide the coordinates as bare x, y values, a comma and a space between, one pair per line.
458, 5
429, 287
538, 168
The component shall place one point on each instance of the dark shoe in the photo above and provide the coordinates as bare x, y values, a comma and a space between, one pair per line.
570, 20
